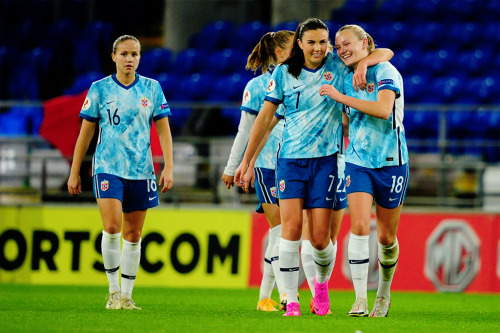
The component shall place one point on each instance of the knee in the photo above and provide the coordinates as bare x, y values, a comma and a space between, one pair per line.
386, 238
360, 227
132, 236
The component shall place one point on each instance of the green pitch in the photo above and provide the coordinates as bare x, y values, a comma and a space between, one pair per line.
25, 308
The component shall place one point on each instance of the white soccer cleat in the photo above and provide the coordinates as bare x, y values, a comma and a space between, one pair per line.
359, 308
129, 304
381, 307
114, 300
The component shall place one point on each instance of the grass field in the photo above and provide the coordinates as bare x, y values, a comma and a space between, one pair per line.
26, 308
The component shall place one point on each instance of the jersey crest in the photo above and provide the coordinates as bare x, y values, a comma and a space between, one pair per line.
144, 101
328, 76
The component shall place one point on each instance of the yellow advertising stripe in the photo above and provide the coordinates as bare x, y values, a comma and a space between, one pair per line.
187, 248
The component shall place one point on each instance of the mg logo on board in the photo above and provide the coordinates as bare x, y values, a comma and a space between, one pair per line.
452, 255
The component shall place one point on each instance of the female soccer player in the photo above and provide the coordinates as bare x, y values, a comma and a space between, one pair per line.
376, 165
272, 49
307, 161
124, 105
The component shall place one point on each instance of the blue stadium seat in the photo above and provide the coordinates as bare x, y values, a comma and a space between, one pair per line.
195, 87
458, 130
191, 61
430, 35
415, 86
178, 119
170, 84
287, 25
13, 123
354, 11
155, 61
249, 34
226, 61
406, 61
214, 36
83, 82
230, 87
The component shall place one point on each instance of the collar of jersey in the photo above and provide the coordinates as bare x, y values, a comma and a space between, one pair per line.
317, 69
113, 76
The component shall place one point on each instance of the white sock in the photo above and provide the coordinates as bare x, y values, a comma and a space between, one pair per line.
111, 252
359, 259
306, 254
323, 261
131, 257
274, 248
334, 258
289, 268
387, 260
267, 283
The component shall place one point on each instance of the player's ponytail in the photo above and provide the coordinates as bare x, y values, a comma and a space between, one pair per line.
263, 54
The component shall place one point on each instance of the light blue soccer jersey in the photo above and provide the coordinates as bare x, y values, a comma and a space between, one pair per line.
375, 142
125, 115
253, 100
313, 123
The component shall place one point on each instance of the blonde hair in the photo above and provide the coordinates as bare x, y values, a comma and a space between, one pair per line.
124, 38
263, 54
360, 33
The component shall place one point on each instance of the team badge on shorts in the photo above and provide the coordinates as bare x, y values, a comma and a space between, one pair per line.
273, 191
370, 87
104, 185
282, 185
328, 76
348, 181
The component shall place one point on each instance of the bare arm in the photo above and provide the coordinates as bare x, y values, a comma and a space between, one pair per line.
82, 145
376, 57
167, 174
381, 108
249, 177
345, 124
258, 132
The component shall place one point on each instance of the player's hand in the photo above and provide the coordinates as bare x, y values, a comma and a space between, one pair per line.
249, 179
228, 180
240, 172
330, 91
359, 77
166, 179
74, 185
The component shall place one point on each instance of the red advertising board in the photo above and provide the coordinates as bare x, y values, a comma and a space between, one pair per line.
450, 252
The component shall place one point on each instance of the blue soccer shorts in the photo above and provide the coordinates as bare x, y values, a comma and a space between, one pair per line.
134, 194
313, 179
265, 187
388, 185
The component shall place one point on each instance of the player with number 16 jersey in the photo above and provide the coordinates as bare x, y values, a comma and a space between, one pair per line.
125, 115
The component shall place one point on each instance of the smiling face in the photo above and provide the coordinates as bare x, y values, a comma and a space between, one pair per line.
314, 44
126, 57
350, 48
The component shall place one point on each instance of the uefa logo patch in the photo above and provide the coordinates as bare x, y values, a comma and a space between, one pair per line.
370, 87
273, 191
328, 76
144, 101
271, 86
247, 96
104, 185
86, 104
282, 185
348, 181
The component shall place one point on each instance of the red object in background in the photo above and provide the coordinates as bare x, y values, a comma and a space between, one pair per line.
438, 252
61, 124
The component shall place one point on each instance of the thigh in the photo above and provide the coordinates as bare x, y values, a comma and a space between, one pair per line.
272, 213
291, 218
133, 223
360, 209
110, 210
391, 185
319, 227
140, 195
